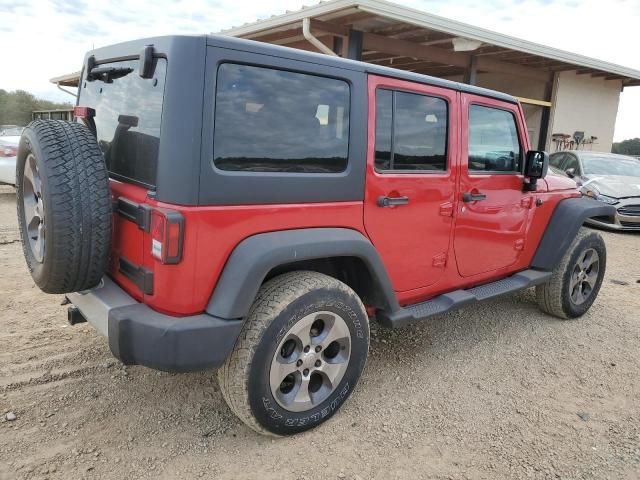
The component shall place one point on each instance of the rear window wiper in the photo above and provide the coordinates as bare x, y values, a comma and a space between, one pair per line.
108, 74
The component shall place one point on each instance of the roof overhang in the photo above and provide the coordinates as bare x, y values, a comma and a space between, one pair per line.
435, 35
68, 80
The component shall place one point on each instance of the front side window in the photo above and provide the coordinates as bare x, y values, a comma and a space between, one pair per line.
572, 162
493, 140
270, 120
555, 160
411, 132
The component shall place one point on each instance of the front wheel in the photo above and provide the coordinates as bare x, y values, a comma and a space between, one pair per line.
576, 281
299, 356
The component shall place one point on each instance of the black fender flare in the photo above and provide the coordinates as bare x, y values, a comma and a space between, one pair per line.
254, 257
566, 220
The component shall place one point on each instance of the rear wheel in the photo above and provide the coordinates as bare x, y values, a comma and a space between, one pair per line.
576, 281
299, 356
64, 206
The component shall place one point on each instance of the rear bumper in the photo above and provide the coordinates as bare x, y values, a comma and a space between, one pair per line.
138, 335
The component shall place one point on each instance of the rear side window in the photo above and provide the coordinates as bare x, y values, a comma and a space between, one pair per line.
411, 132
269, 120
493, 140
128, 117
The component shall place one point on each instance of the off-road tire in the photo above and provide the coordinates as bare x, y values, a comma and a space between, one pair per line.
554, 296
279, 305
76, 199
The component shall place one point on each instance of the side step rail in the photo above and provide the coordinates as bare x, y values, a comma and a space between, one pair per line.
460, 298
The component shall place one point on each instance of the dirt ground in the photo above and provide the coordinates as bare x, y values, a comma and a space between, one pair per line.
497, 391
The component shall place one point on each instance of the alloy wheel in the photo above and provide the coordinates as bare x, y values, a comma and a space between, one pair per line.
584, 276
310, 361
33, 208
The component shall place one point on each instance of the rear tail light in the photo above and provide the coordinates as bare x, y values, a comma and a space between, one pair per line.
167, 235
83, 112
8, 151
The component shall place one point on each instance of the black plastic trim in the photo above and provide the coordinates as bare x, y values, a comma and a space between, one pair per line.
256, 256
135, 212
567, 218
459, 298
140, 276
139, 335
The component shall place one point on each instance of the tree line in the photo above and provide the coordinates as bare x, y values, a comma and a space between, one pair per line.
627, 147
16, 106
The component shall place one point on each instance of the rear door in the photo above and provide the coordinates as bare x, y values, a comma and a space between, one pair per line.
410, 182
127, 118
492, 214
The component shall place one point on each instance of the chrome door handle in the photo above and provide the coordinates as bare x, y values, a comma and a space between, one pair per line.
392, 201
473, 197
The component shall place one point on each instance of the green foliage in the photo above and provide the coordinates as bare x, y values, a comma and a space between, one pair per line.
627, 147
16, 107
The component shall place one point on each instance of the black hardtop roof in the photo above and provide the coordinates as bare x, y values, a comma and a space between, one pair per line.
179, 43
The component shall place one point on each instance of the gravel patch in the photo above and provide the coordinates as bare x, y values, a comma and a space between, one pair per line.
497, 391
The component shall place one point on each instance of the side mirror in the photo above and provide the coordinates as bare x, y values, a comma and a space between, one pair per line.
535, 167
571, 172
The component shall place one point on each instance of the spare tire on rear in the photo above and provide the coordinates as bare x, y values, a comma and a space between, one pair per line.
64, 206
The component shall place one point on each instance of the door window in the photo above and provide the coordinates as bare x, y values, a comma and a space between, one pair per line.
493, 140
572, 162
269, 120
555, 160
411, 132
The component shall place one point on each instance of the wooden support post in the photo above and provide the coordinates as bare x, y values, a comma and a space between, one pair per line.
354, 49
471, 74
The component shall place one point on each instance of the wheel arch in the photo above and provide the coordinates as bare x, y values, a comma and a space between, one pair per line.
339, 252
564, 224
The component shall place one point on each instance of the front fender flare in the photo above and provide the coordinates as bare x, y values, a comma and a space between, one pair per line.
566, 220
253, 258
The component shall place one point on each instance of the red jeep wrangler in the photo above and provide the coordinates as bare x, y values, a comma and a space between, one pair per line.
222, 203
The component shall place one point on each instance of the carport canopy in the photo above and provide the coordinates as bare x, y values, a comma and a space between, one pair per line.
387, 34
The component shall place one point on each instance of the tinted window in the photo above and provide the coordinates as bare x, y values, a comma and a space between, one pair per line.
572, 162
555, 160
493, 140
411, 131
276, 121
384, 121
128, 116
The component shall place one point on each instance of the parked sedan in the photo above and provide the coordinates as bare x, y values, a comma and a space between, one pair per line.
607, 177
8, 152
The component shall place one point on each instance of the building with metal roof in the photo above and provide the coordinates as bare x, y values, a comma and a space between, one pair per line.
562, 92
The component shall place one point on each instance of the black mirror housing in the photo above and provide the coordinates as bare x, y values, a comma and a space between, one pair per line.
536, 166
571, 172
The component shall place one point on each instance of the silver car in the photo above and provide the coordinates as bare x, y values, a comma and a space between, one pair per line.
9, 140
607, 177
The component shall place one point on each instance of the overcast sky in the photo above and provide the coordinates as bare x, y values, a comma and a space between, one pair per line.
40, 39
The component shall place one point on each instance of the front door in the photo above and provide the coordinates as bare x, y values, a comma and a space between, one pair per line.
410, 185
492, 214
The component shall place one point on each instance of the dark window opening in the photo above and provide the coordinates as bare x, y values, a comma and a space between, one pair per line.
411, 132
270, 120
493, 140
128, 117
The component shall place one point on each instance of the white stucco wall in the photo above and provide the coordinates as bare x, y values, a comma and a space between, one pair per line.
584, 103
